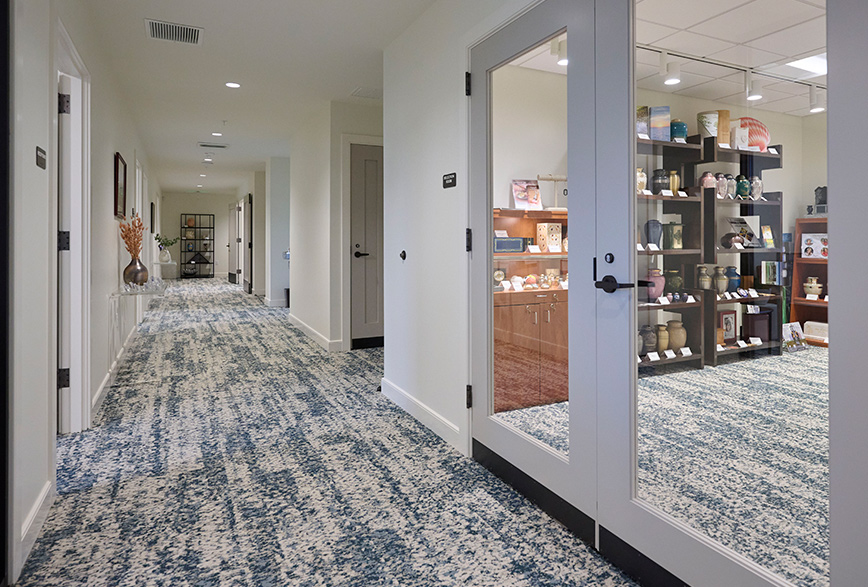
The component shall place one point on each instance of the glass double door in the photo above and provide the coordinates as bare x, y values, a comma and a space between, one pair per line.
569, 388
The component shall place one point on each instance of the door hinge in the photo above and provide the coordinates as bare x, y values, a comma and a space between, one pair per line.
62, 378
238, 271
238, 240
466, 83
63, 106
468, 240
469, 396
63, 240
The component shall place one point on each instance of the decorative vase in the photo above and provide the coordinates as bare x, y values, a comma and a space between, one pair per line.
673, 236
756, 187
674, 181
655, 276
703, 279
730, 186
707, 180
742, 187
640, 343
677, 129
641, 180
721, 281
662, 338
734, 279
136, 273
659, 182
649, 339
721, 185
165, 256
812, 287
729, 239
653, 232
674, 281
677, 335
721, 335
191, 222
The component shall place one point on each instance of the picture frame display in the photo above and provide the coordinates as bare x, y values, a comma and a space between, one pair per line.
727, 321
120, 186
815, 245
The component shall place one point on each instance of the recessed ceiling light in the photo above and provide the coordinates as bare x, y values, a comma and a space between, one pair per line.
216, 134
198, 186
208, 159
202, 175
233, 85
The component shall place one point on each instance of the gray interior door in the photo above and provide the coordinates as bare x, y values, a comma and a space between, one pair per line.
246, 245
366, 235
233, 244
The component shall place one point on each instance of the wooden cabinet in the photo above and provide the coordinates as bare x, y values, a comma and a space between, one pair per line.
531, 343
803, 309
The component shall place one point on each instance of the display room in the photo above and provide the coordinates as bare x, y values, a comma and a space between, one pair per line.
732, 289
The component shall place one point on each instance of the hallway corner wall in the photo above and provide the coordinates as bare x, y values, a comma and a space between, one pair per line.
425, 137
259, 233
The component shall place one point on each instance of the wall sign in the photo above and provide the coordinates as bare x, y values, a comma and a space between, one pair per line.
449, 180
40, 157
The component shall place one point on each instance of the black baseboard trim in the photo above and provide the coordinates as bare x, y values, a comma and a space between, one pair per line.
635, 565
233, 278
367, 343
555, 506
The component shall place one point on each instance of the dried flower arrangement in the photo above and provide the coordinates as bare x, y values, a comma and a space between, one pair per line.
131, 232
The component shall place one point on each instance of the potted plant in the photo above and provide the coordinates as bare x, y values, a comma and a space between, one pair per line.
165, 242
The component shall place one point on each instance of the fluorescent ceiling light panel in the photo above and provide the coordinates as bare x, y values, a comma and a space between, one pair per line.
816, 64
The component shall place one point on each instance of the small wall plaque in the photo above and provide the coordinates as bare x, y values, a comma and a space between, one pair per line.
40, 158
449, 180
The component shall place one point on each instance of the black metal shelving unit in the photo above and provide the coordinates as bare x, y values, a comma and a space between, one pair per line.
197, 245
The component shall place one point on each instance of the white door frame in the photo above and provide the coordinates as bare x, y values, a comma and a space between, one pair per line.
570, 478
69, 62
347, 141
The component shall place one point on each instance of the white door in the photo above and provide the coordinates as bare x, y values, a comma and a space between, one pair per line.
533, 351
232, 245
366, 236
67, 408
245, 250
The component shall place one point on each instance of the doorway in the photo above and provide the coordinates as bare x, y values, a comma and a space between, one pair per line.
5, 207
245, 249
366, 235
234, 243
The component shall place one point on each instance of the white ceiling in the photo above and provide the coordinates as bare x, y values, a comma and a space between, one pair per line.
289, 56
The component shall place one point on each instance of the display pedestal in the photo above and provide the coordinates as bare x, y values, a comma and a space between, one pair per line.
167, 270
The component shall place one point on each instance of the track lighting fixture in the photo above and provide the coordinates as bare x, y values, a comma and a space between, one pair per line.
670, 71
816, 105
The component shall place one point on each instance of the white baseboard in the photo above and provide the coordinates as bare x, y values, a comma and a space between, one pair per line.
275, 303
329, 345
431, 419
99, 396
31, 526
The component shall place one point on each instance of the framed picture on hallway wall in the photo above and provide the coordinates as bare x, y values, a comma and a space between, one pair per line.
120, 186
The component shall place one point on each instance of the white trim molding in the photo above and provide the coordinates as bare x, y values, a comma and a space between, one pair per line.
428, 417
319, 338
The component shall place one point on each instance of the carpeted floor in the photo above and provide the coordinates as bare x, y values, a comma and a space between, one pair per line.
739, 451
232, 450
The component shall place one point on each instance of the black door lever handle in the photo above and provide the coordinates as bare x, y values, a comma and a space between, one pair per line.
609, 284
357, 254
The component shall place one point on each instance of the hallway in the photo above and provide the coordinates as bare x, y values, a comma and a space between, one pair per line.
233, 450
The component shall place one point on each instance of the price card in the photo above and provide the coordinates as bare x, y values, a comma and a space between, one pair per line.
752, 149
756, 340
653, 357
720, 347
647, 193
753, 293
533, 249
813, 297
727, 295
682, 194
506, 285
653, 247
639, 247
666, 193
554, 248
501, 234
738, 246
691, 299
669, 354
663, 301
686, 352
826, 299
773, 151
724, 146
741, 344
680, 140
718, 297
639, 359
644, 136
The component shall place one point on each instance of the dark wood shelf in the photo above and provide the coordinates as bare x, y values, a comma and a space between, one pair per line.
812, 303
530, 214
673, 198
771, 298
811, 261
649, 147
664, 361
671, 252
773, 344
751, 161
751, 250
673, 306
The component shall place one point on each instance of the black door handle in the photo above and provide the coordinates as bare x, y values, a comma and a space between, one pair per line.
609, 284
358, 254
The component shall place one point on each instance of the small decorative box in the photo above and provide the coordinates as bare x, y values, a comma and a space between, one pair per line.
548, 235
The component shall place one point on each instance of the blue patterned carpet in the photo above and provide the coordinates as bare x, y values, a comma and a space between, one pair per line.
232, 450
739, 451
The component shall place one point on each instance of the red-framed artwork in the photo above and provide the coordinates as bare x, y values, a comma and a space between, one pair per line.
120, 186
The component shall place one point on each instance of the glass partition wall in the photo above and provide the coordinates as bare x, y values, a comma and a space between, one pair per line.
731, 246
530, 278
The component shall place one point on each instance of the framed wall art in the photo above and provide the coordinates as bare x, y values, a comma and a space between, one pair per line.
120, 186
726, 320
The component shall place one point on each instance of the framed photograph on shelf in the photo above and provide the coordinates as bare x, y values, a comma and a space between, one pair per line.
794, 339
726, 319
815, 246
525, 194
120, 186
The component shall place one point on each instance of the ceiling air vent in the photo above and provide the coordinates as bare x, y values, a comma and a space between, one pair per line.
170, 31
213, 146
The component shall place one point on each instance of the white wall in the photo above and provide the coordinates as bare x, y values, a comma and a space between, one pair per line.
175, 204
529, 130
425, 136
259, 233
277, 223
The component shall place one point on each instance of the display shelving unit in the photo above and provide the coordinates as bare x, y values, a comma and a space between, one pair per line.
197, 245
801, 308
